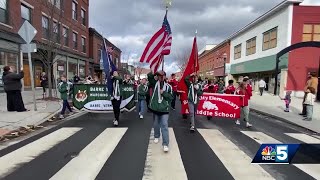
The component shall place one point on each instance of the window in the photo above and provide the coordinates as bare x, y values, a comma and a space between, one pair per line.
75, 41
3, 11
25, 13
251, 46
83, 43
270, 39
83, 16
74, 10
56, 3
237, 51
65, 34
311, 32
99, 55
45, 27
56, 32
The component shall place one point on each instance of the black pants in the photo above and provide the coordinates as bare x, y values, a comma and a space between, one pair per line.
173, 102
261, 91
65, 106
14, 101
116, 108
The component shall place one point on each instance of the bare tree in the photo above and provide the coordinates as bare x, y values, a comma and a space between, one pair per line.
181, 58
51, 46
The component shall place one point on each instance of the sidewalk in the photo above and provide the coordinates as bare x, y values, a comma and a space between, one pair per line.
10, 121
274, 106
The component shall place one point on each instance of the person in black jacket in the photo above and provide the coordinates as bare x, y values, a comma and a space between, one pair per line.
12, 87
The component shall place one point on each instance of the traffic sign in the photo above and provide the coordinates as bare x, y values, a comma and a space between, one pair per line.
27, 32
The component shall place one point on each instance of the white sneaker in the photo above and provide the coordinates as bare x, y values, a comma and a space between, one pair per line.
248, 125
115, 123
165, 148
141, 116
61, 116
237, 122
156, 140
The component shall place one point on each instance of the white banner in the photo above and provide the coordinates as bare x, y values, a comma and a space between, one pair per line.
105, 105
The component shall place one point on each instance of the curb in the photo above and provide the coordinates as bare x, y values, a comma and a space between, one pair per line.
283, 120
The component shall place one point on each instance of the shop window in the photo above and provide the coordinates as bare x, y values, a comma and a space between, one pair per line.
72, 70
3, 11
45, 27
82, 72
251, 46
25, 13
61, 68
270, 39
311, 32
237, 51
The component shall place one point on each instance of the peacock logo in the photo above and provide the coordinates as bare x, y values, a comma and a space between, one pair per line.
268, 151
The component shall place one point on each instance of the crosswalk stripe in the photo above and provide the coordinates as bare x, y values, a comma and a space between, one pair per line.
92, 158
234, 159
311, 169
28, 152
304, 138
160, 165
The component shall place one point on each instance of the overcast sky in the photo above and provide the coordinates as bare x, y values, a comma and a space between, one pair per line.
129, 24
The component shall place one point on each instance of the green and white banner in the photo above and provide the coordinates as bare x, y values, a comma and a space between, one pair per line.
95, 98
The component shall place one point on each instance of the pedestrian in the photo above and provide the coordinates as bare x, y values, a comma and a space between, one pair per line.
311, 82
309, 102
248, 86
194, 92
245, 94
174, 84
44, 83
142, 93
221, 86
230, 89
12, 87
116, 96
76, 79
262, 86
287, 100
64, 90
159, 105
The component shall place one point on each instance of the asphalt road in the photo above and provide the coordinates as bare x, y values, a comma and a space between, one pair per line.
89, 147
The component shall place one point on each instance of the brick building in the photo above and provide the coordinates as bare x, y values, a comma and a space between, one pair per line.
63, 22
96, 44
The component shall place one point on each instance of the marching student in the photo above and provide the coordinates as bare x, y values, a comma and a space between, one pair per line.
142, 93
244, 92
230, 89
174, 84
116, 96
64, 90
159, 105
248, 86
209, 88
194, 91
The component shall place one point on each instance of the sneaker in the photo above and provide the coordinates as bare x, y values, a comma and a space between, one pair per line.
115, 123
156, 140
237, 122
286, 111
307, 119
248, 125
61, 116
141, 116
165, 148
192, 128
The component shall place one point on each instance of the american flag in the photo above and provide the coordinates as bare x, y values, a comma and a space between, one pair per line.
158, 46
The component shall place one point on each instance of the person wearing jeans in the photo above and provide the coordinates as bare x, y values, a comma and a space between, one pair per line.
309, 102
64, 91
142, 93
159, 104
243, 92
194, 92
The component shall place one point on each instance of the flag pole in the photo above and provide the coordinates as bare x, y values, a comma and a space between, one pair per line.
196, 59
162, 56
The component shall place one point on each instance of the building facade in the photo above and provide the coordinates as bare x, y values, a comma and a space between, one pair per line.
254, 47
206, 62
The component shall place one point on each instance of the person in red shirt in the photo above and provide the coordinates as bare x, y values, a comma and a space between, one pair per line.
209, 88
245, 93
174, 83
248, 86
230, 89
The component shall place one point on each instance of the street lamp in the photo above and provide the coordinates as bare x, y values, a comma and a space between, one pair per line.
168, 3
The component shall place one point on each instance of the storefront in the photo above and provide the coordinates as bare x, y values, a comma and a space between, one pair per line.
82, 69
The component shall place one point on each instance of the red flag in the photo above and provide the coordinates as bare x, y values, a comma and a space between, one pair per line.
192, 66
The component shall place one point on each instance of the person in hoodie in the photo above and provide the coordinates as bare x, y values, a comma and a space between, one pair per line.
142, 93
64, 89
160, 102
194, 92
12, 87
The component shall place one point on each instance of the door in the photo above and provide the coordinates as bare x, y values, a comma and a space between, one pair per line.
38, 72
26, 78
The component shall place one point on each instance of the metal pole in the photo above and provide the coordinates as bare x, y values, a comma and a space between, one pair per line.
196, 59
276, 76
32, 80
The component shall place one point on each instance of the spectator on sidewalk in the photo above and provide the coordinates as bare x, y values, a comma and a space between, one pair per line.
245, 93
309, 102
64, 90
174, 83
311, 82
262, 86
76, 79
12, 87
44, 83
287, 100
142, 92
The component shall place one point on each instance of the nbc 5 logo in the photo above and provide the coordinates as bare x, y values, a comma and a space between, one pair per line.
282, 153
